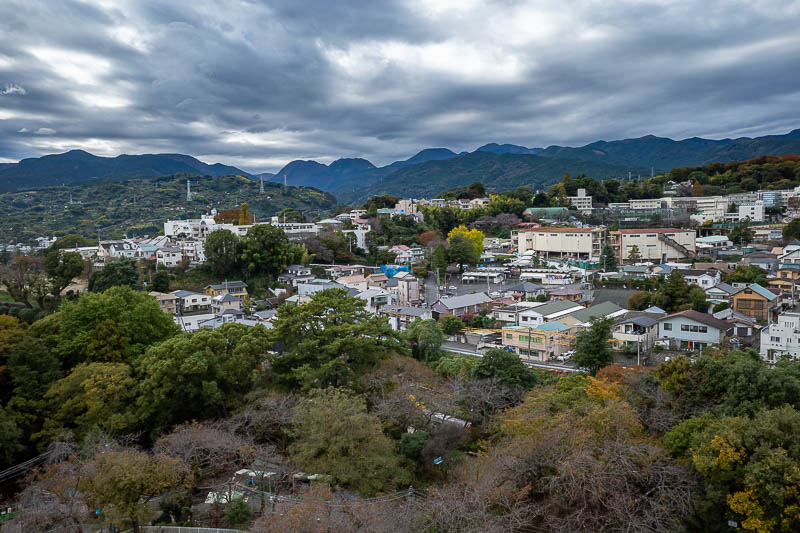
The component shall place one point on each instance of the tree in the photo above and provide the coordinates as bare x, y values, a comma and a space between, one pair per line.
592, 350
221, 252
462, 251
697, 189
330, 341
721, 306
211, 371
124, 481
634, 254
119, 318
244, 216
748, 274
608, 260
505, 366
673, 294
741, 234
638, 301
335, 435
93, 395
792, 230
24, 278
265, 250
697, 299
62, 268
238, 512
290, 214
160, 281
426, 338
122, 273
451, 324
475, 236
440, 260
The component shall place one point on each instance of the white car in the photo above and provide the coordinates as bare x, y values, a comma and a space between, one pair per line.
452, 288
565, 356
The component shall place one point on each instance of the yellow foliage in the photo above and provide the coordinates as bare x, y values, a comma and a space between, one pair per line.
727, 455
746, 504
474, 235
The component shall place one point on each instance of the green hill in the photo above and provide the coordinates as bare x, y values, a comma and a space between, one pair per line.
107, 209
497, 172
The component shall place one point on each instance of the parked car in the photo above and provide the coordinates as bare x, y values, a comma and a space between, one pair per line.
452, 288
565, 356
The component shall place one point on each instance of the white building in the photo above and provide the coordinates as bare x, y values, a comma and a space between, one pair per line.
557, 242
781, 338
654, 244
691, 330
169, 256
582, 202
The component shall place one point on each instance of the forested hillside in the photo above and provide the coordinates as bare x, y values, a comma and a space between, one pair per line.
140, 206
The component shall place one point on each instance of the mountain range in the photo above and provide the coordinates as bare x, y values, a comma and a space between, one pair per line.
432, 170
77, 166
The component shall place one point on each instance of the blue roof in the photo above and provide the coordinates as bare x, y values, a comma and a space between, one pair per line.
655, 309
552, 326
758, 289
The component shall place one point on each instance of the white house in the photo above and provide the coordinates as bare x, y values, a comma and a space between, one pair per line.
781, 338
691, 330
169, 256
547, 312
705, 279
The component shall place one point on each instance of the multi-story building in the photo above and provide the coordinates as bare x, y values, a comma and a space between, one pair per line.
710, 208
235, 288
167, 302
192, 302
655, 244
558, 242
537, 343
756, 301
582, 202
781, 338
645, 204
169, 256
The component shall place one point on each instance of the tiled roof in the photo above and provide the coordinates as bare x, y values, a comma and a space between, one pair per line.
703, 318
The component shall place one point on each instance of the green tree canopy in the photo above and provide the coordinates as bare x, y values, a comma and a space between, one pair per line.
426, 338
62, 268
462, 251
134, 319
264, 250
199, 375
335, 435
505, 366
221, 252
122, 273
452, 324
608, 261
330, 341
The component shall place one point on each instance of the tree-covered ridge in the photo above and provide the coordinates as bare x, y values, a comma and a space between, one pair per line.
140, 206
766, 172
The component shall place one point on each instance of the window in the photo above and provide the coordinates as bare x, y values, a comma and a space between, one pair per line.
667, 326
684, 327
509, 337
775, 339
695, 328
703, 329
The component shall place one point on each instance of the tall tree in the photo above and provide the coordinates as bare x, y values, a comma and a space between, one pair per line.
330, 341
221, 252
462, 251
426, 338
440, 260
741, 234
505, 366
634, 255
475, 236
265, 250
592, 350
62, 268
608, 260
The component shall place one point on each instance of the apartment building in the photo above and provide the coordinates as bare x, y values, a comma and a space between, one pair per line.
537, 343
781, 338
559, 242
658, 245
581, 202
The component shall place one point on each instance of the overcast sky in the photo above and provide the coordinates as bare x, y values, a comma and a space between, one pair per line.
259, 83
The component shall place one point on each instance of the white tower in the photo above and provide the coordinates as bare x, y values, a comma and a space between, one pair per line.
188, 191
261, 190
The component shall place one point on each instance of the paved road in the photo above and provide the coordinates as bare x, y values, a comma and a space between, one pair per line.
469, 349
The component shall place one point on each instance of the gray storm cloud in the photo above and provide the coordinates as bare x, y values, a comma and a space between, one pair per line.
257, 84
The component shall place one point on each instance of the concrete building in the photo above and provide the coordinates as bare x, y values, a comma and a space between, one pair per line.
659, 245
582, 202
638, 330
537, 343
167, 302
558, 242
169, 256
781, 338
192, 302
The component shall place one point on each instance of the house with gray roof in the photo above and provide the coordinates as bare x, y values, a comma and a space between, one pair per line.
461, 305
691, 330
400, 316
582, 318
548, 312
635, 331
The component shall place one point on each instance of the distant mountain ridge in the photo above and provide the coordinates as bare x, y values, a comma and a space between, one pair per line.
507, 149
77, 166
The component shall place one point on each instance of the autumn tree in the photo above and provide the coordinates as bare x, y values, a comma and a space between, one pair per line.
335, 435
123, 482
462, 251
475, 236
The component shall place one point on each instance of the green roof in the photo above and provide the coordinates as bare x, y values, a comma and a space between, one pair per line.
554, 307
545, 211
758, 289
603, 309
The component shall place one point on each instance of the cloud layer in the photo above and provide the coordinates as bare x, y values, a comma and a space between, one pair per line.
257, 84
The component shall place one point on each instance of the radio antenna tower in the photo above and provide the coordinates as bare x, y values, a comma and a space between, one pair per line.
261, 190
188, 191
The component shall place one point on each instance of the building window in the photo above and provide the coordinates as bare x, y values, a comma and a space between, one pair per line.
775, 339
509, 337
667, 326
685, 327
703, 329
